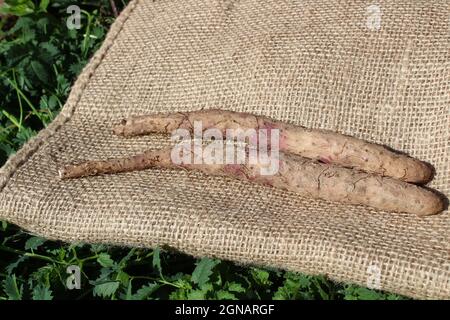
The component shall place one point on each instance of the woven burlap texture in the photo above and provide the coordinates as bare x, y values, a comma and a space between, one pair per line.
320, 64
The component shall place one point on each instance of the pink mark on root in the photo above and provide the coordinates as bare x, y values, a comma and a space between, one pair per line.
326, 160
234, 169
270, 127
283, 139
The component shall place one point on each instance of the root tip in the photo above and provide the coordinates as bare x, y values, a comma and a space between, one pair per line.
61, 173
118, 130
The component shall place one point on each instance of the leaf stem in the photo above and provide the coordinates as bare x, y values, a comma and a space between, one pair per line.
20, 101
158, 280
29, 254
35, 112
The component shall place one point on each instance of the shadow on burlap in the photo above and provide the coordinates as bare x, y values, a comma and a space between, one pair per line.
322, 64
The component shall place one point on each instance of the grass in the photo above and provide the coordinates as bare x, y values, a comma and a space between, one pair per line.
39, 60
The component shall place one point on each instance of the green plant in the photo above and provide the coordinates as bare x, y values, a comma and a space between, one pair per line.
39, 60
23, 7
39, 271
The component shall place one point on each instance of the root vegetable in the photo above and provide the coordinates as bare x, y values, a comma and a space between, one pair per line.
322, 145
297, 174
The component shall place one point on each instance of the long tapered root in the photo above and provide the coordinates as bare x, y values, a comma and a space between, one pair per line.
297, 174
322, 145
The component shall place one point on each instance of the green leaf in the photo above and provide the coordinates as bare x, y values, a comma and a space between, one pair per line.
320, 281
98, 32
145, 291
41, 292
76, 68
156, 262
7, 149
177, 276
260, 276
196, 295
104, 276
128, 295
16, 55
44, 273
43, 23
207, 287
18, 9
50, 48
11, 118
281, 294
123, 278
303, 280
10, 268
105, 260
11, 289
24, 135
236, 287
225, 295
367, 294
75, 245
43, 5
219, 279
96, 247
352, 292
123, 262
5, 47
23, 24
180, 294
203, 271
63, 87
295, 286
52, 102
182, 283
39, 71
34, 242
106, 289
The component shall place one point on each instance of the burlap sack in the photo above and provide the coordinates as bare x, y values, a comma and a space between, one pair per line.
380, 72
